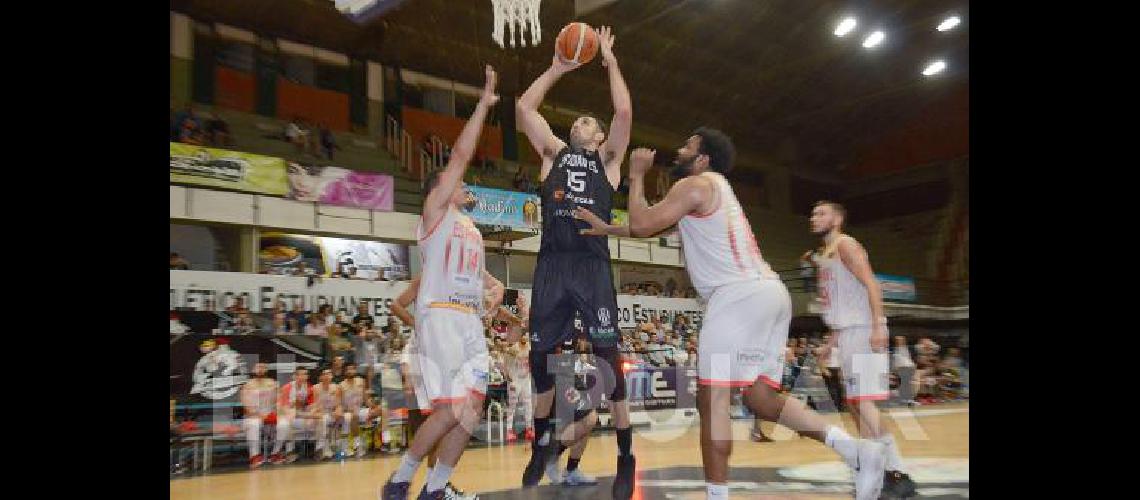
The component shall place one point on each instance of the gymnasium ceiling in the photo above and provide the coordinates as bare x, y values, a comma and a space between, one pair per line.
769, 72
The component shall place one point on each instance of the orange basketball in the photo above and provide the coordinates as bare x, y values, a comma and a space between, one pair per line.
577, 42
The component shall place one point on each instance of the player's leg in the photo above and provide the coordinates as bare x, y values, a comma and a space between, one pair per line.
579, 436
594, 297
439, 363
766, 366
716, 436
551, 315
867, 383
526, 402
472, 378
512, 408
252, 427
284, 434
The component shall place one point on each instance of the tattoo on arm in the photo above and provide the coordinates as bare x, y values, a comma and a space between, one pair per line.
547, 153
610, 155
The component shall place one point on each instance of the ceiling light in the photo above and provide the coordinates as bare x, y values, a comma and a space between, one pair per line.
949, 23
873, 39
845, 27
934, 68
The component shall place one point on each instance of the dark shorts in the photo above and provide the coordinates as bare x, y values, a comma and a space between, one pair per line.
567, 283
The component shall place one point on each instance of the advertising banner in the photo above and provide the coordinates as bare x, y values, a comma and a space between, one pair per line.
503, 209
341, 187
220, 168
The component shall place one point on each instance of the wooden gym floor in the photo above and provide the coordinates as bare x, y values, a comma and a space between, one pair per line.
930, 432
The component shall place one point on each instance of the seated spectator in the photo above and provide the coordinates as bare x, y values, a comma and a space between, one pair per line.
328, 142
178, 263
279, 318
316, 326
298, 319
218, 131
339, 344
191, 132
296, 134
362, 315
238, 306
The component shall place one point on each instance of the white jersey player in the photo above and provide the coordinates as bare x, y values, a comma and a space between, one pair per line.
293, 403
259, 399
749, 310
356, 408
452, 295
328, 410
853, 308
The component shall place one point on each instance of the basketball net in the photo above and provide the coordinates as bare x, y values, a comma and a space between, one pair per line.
516, 17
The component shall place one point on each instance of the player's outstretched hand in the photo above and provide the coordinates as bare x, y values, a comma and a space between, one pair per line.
561, 66
489, 96
606, 44
597, 225
640, 160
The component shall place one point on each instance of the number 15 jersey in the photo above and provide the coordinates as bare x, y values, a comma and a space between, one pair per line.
576, 179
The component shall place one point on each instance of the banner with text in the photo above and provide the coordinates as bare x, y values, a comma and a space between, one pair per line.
227, 169
215, 291
503, 209
341, 187
897, 287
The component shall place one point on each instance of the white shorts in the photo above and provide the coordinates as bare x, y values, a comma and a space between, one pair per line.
744, 333
866, 374
453, 354
416, 379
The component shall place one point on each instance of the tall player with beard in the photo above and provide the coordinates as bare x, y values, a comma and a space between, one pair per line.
748, 314
453, 294
853, 305
573, 273
259, 398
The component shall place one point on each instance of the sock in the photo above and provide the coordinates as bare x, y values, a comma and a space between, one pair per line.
716, 491
407, 469
894, 460
842, 442
541, 426
438, 478
572, 464
624, 440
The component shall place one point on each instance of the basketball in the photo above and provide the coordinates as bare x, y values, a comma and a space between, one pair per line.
576, 42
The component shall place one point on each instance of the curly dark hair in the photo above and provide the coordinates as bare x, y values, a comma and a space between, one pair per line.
718, 147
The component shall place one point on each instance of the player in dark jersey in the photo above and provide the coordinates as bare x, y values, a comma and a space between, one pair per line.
573, 272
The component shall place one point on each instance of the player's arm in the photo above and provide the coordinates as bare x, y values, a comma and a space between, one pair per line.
598, 227
613, 150
532, 123
461, 152
400, 305
494, 290
685, 197
855, 258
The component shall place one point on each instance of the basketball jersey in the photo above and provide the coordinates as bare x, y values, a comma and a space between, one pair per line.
326, 398
842, 295
719, 247
296, 396
261, 395
353, 395
452, 261
576, 179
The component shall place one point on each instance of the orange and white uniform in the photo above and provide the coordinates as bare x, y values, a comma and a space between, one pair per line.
749, 310
453, 357
847, 311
